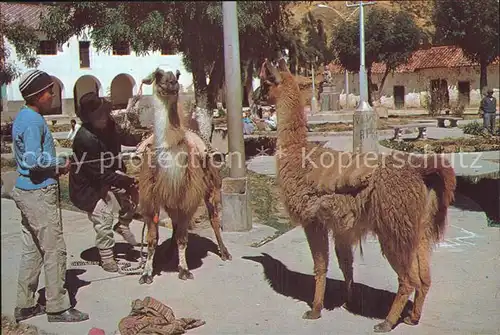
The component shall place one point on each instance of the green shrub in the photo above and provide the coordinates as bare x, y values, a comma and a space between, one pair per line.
473, 128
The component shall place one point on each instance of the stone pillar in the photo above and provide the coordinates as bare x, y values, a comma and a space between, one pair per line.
329, 99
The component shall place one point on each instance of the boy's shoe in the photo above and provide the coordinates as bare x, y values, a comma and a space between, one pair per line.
69, 315
21, 314
108, 262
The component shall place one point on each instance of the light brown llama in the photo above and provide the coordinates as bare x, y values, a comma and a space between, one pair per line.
176, 174
349, 195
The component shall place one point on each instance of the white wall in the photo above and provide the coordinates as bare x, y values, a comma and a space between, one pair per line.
103, 65
417, 85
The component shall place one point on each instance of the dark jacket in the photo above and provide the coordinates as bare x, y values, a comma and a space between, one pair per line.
488, 105
90, 182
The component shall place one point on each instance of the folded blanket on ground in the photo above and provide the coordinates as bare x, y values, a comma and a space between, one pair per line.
150, 316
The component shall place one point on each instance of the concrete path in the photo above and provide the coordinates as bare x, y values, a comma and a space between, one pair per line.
465, 164
266, 290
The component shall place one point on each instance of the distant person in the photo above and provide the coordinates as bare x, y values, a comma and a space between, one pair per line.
248, 125
487, 110
36, 196
74, 128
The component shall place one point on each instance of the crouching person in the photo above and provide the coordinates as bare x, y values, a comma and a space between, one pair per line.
98, 174
36, 196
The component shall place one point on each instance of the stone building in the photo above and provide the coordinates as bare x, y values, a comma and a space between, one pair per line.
443, 70
77, 68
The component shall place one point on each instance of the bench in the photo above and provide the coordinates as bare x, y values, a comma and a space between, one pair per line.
453, 121
398, 130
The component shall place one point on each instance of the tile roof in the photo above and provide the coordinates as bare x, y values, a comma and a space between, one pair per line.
429, 58
27, 12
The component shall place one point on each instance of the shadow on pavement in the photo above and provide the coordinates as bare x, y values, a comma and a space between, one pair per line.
73, 284
164, 260
485, 193
367, 301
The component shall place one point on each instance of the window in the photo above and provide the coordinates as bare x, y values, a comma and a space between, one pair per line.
165, 50
47, 48
464, 93
399, 96
84, 54
121, 49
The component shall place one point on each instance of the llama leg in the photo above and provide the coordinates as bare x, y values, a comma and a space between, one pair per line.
181, 237
345, 259
408, 279
317, 237
423, 257
213, 214
152, 238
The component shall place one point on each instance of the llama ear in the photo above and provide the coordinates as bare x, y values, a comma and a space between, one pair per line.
269, 73
177, 74
152, 77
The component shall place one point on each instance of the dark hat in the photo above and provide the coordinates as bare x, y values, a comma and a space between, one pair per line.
489, 90
33, 82
91, 104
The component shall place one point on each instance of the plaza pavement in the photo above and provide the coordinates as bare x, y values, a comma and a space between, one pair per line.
266, 290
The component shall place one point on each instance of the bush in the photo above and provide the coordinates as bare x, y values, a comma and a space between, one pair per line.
473, 128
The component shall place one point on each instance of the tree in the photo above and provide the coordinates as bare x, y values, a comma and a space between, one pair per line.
390, 38
316, 41
472, 25
25, 41
191, 28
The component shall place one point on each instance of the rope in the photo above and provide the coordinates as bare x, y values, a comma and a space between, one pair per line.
124, 268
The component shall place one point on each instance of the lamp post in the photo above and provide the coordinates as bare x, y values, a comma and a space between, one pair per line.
346, 73
364, 119
314, 103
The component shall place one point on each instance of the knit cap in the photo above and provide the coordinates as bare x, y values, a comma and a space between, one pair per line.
33, 82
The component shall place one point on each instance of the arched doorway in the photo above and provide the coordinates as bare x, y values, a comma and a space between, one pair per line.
57, 100
122, 88
83, 85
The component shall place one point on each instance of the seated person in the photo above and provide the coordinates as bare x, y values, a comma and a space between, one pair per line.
248, 125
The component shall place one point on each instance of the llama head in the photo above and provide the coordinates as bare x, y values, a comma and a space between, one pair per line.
274, 79
165, 84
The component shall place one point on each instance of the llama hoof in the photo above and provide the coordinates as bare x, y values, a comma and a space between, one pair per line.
146, 279
225, 256
383, 327
185, 274
311, 315
409, 321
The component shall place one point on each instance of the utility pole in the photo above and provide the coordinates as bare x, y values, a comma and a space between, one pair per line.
236, 212
365, 120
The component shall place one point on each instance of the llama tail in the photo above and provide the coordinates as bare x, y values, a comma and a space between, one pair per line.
439, 176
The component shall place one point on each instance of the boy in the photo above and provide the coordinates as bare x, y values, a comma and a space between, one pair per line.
36, 196
91, 184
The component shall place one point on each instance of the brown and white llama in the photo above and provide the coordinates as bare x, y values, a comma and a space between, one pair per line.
349, 195
176, 174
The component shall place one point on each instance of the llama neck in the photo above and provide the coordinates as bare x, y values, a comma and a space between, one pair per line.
292, 123
166, 119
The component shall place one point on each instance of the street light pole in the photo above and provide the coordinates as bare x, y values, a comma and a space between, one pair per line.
364, 119
313, 98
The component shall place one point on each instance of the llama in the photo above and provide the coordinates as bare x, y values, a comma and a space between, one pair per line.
350, 195
176, 174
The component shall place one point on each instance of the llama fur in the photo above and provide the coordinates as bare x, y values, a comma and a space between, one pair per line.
176, 174
348, 195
